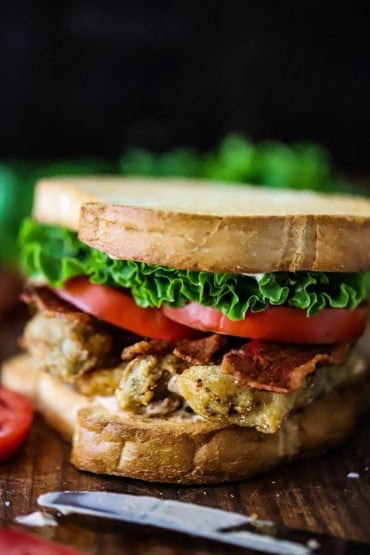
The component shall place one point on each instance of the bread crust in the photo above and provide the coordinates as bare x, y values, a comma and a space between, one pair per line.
197, 225
253, 244
192, 451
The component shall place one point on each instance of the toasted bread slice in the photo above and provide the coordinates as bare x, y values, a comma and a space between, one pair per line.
188, 450
202, 452
197, 225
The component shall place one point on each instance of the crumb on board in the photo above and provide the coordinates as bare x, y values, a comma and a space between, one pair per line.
313, 544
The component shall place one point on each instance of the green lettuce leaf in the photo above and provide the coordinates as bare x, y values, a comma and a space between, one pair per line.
56, 254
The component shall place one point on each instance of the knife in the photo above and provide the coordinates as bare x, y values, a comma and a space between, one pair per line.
197, 520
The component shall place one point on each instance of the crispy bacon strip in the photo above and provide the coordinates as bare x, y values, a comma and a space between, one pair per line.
279, 368
43, 299
200, 351
146, 347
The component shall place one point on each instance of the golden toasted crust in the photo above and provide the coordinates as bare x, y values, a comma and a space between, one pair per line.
204, 226
188, 451
249, 244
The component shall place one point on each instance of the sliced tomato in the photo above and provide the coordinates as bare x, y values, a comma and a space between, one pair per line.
13, 542
119, 308
16, 414
277, 323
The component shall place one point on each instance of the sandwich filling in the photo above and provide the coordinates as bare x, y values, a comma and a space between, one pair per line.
245, 383
241, 349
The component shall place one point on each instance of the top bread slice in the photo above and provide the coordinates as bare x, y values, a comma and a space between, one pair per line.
198, 225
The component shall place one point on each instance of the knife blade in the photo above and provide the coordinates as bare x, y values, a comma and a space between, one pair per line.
198, 520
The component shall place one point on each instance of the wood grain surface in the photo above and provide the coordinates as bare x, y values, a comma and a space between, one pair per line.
316, 494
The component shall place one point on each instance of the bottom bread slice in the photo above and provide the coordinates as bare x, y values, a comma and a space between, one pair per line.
182, 449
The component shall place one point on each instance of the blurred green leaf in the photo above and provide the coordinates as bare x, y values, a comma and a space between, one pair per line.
236, 160
182, 162
274, 164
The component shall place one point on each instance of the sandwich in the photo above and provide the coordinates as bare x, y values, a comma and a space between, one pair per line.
192, 332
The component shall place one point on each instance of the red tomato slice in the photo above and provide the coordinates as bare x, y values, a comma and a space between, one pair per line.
277, 323
13, 542
119, 308
16, 414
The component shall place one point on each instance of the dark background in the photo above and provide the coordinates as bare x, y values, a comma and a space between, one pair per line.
92, 78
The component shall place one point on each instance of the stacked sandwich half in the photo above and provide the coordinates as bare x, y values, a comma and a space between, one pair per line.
193, 332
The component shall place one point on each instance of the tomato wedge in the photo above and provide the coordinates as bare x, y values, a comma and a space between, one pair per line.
16, 414
119, 308
277, 323
13, 542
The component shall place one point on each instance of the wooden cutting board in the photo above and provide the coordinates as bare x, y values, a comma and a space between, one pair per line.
316, 494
